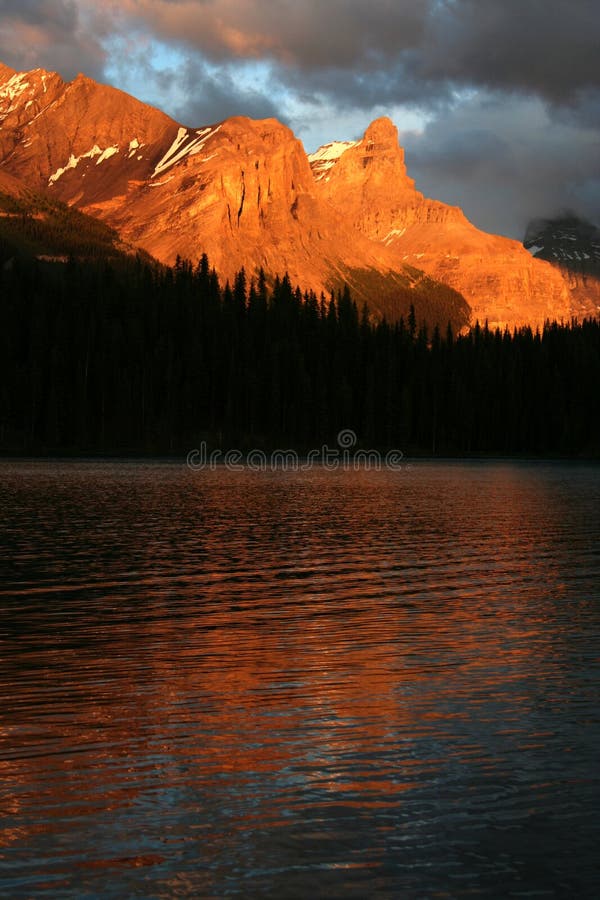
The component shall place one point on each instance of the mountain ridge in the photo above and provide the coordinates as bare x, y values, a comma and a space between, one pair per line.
496, 275
245, 192
572, 244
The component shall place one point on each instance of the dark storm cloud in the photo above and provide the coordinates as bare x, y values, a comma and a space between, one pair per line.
511, 88
548, 47
58, 14
307, 34
192, 91
351, 52
505, 161
51, 34
398, 84
216, 94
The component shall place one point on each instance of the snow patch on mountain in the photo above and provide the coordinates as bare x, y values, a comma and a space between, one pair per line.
10, 91
393, 234
570, 240
325, 157
182, 146
106, 154
14, 87
154, 184
134, 146
74, 162
331, 151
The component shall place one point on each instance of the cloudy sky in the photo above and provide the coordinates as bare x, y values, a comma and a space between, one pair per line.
497, 101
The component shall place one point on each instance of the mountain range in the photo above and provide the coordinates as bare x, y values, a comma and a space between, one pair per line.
245, 193
573, 245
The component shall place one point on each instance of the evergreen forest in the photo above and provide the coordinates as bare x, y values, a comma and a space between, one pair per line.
123, 356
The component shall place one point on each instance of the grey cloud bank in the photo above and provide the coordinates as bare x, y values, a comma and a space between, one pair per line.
510, 91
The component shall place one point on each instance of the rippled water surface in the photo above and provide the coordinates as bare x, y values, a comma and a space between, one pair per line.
328, 684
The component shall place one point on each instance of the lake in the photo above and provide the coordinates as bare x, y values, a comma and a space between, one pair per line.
295, 684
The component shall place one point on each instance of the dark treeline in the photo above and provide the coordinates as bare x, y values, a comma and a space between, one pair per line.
111, 357
33, 224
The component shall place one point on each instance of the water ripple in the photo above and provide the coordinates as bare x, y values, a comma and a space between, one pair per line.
350, 684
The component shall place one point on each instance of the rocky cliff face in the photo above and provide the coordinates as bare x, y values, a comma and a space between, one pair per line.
51, 128
241, 191
245, 192
498, 278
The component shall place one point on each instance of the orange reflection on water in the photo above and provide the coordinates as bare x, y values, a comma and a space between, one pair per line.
273, 656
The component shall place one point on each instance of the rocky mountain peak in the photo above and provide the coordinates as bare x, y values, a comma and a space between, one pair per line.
6, 72
369, 182
381, 136
245, 192
572, 244
375, 159
567, 239
50, 127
